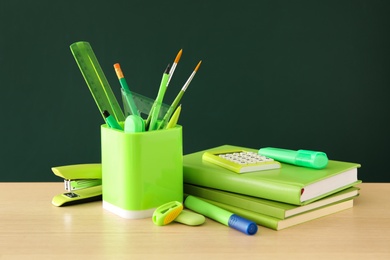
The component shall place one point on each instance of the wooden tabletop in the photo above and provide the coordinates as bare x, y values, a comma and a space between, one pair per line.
32, 228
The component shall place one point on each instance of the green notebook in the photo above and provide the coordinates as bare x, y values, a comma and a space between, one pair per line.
289, 184
278, 224
271, 208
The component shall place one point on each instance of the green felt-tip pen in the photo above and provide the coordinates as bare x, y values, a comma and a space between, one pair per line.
222, 216
110, 120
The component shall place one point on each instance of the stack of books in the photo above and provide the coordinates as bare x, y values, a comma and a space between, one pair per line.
276, 198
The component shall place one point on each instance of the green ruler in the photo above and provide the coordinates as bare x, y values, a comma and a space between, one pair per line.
96, 80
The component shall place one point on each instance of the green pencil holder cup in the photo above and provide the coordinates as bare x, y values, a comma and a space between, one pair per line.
141, 171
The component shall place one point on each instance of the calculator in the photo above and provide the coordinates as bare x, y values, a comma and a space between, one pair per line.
241, 161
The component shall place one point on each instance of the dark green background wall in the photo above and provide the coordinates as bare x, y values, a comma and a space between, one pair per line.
291, 74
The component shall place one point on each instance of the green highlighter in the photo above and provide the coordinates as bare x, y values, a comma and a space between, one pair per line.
305, 158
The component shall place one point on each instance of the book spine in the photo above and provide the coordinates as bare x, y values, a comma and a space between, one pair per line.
234, 200
281, 192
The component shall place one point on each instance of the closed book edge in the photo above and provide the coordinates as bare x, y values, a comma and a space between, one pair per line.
263, 206
279, 224
286, 184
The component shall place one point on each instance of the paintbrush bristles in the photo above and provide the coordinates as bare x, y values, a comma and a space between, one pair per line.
197, 66
178, 56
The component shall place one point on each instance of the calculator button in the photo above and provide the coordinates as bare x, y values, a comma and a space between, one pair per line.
242, 161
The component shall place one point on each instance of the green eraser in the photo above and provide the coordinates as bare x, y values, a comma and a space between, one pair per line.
190, 218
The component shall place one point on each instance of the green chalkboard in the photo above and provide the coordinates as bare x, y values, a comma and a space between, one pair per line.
290, 74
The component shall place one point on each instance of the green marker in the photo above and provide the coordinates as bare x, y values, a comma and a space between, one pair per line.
151, 121
111, 122
306, 158
222, 216
129, 96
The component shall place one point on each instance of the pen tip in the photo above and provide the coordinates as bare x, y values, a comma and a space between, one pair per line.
106, 113
168, 69
197, 66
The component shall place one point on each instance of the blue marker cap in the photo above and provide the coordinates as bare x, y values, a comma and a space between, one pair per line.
242, 224
221, 215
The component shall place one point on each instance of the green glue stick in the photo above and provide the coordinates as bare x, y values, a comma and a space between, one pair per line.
222, 216
110, 120
305, 158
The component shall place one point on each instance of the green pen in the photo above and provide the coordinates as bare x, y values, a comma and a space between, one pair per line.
151, 121
175, 103
129, 96
110, 120
221, 215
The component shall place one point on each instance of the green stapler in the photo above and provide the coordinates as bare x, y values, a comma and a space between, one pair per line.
83, 183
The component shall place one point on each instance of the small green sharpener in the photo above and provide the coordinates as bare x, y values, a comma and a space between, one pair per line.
141, 171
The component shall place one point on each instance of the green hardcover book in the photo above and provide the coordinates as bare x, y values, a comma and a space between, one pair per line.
278, 224
267, 207
289, 184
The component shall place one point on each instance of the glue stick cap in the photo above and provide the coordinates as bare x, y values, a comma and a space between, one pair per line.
242, 224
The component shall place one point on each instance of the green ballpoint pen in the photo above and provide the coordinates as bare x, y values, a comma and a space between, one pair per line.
151, 121
110, 120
